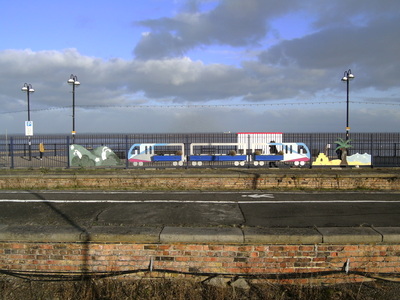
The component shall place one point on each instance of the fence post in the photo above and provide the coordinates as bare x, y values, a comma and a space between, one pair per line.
248, 152
372, 149
311, 150
68, 145
186, 149
126, 153
12, 152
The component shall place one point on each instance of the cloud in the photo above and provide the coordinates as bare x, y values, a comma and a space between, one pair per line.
232, 22
184, 80
271, 69
208, 119
240, 23
372, 50
48, 72
349, 13
300, 68
117, 81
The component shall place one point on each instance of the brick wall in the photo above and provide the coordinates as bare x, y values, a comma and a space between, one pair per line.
283, 262
206, 181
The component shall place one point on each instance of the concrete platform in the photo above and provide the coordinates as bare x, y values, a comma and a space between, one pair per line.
229, 235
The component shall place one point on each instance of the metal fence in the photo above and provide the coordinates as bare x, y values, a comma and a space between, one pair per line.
23, 152
384, 148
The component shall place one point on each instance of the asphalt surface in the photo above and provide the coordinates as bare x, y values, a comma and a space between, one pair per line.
84, 209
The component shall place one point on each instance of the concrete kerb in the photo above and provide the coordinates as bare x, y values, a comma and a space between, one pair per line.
123, 234
389, 234
282, 235
228, 235
40, 234
201, 235
343, 235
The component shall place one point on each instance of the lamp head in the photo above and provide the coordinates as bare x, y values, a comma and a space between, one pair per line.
347, 75
27, 88
73, 79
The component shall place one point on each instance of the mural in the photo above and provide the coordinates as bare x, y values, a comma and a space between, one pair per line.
352, 160
343, 158
79, 156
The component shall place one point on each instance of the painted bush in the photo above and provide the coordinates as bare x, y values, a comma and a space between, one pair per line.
79, 156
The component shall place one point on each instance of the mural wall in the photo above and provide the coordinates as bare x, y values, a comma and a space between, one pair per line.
343, 157
352, 160
79, 156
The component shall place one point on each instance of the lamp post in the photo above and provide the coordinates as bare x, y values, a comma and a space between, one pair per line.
73, 79
28, 89
347, 77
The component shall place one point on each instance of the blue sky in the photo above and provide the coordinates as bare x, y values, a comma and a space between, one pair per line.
96, 29
200, 65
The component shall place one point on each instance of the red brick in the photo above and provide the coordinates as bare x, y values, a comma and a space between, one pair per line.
218, 258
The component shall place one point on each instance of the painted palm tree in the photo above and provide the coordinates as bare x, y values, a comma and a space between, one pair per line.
343, 145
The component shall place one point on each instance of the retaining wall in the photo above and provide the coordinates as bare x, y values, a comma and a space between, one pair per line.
302, 255
199, 181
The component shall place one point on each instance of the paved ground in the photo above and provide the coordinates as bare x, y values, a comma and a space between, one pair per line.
211, 215
263, 209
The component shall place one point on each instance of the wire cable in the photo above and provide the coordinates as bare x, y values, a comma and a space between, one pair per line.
78, 276
179, 106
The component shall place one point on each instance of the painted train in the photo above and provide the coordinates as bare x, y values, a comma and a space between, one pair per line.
201, 153
250, 149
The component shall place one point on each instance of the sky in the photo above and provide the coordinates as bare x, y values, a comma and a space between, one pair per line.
171, 66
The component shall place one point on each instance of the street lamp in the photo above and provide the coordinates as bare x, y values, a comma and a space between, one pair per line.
347, 77
28, 89
73, 79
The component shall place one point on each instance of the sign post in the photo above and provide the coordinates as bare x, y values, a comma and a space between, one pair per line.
29, 133
28, 128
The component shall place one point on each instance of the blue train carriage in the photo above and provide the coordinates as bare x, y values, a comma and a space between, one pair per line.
296, 153
211, 153
156, 153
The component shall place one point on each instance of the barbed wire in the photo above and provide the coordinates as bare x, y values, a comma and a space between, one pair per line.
169, 106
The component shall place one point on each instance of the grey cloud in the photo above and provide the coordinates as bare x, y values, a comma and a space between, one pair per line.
115, 83
305, 68
344, 13
372, 50
48, 72
232, 22
160, 45
185, 80
346, 35
186, 120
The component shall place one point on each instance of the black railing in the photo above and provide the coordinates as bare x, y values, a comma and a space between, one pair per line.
384, 148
